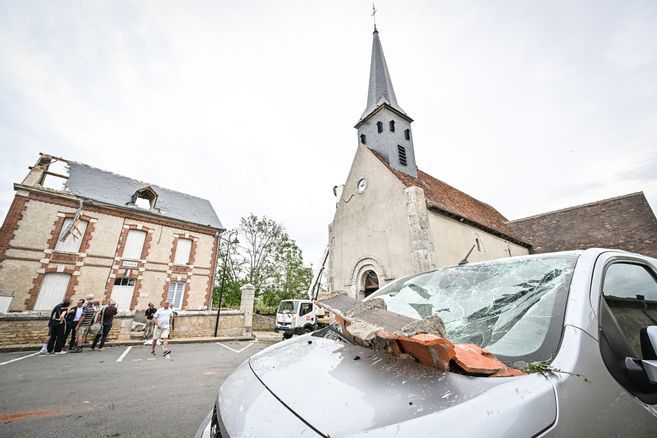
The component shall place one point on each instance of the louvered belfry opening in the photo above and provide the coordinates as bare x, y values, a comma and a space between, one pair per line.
401, 150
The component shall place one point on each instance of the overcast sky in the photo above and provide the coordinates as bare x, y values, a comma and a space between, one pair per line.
529, 106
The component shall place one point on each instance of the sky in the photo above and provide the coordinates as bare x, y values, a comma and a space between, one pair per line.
528, 106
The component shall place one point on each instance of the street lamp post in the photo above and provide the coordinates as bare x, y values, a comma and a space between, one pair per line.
223, 277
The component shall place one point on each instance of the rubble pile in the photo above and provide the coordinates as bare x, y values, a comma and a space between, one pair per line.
370, 324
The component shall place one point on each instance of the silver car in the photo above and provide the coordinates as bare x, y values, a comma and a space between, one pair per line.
582, 326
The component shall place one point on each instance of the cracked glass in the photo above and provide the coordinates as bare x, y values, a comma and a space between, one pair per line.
512, 307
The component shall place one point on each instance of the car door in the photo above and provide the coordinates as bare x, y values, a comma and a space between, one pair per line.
627, 302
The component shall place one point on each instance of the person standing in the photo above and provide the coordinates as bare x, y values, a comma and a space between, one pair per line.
72, 318
106, 318
162, 320
87, 318
57, 325
148, 330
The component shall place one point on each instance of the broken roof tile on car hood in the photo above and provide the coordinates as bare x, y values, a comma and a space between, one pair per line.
370, 324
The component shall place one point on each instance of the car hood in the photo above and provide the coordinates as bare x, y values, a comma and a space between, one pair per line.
342, 390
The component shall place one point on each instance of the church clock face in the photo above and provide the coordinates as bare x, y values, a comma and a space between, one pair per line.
362, 185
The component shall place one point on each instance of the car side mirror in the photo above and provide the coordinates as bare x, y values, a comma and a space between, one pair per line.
648, 339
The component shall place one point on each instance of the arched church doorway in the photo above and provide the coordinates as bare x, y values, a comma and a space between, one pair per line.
370, 282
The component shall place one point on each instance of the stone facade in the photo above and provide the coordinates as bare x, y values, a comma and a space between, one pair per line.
30, 250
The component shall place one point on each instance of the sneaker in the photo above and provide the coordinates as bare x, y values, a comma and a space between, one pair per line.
101, 349
61, 352
77, 350
166, 353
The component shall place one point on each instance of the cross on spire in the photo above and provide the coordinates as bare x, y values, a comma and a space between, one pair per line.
374, 11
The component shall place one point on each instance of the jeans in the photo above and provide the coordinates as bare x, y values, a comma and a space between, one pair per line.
71, 329
102, 336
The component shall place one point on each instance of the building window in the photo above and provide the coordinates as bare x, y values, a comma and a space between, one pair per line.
401, 150
407, 134
363, 139
53, 290
392, 126
145, 198
176, 292
70, 236
379, 127
124, 281
134, 244
183, 249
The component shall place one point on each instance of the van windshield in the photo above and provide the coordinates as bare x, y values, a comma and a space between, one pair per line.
512, 307
288, 307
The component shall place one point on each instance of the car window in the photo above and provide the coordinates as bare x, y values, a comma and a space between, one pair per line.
630, 291
513, 307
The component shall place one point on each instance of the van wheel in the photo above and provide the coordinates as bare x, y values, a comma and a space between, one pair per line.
287, 335
308, 329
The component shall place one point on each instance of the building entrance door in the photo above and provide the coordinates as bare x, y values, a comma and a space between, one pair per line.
122, 293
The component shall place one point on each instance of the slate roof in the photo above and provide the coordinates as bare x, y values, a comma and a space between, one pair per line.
380, 89
448, 200
625, 222
100, 185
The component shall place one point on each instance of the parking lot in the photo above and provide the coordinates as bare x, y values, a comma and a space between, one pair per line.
121, 391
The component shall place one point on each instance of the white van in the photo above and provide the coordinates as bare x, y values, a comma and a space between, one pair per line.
296, 317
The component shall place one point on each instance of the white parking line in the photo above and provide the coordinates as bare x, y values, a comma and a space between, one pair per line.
235, 351
124, 354
19, 358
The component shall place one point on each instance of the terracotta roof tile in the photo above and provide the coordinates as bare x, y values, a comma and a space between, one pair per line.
453, 202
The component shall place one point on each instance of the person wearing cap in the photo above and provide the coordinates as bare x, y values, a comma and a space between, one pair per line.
162, 320
107, 314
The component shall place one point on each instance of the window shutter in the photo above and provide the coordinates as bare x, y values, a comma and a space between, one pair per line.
183, 249
74, 238
134, 243
52, 291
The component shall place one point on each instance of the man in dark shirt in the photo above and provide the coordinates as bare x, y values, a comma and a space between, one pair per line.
57, 326
107, 314
72, 317
148, 330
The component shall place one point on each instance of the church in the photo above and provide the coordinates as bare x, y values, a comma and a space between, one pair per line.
391, 218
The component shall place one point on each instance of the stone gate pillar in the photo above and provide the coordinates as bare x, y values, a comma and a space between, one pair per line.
246, 306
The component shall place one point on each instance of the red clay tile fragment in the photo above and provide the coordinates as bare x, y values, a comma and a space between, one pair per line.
475, 360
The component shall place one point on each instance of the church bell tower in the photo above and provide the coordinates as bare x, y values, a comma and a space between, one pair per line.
384, 127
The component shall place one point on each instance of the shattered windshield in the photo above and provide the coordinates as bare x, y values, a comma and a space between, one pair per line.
512, 307
287, 307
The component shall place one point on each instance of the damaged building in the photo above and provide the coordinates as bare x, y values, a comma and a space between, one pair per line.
73, 230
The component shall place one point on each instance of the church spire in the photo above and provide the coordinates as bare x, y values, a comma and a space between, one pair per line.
384, 127
380, 88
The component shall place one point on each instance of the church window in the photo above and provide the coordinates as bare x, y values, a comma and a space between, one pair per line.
401, 150
379, 127
370, 282
407, 134
392, 126
363, 139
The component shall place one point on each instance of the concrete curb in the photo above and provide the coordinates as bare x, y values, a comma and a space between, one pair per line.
33, 347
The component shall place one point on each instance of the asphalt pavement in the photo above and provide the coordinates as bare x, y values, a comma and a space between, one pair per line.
117, 392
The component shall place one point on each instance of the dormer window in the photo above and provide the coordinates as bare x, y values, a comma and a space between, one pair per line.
145, 198
379, 127
407, 134
363, 139
392, 126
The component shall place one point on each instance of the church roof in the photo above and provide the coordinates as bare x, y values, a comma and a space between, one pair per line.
452, 202
380, 88
625, 222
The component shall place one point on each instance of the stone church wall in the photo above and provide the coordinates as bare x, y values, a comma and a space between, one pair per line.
453, 239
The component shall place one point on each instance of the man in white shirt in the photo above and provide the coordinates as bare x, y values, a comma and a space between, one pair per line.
162, 320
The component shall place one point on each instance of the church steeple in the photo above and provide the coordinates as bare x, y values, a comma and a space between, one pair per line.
380, 88
384, 126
